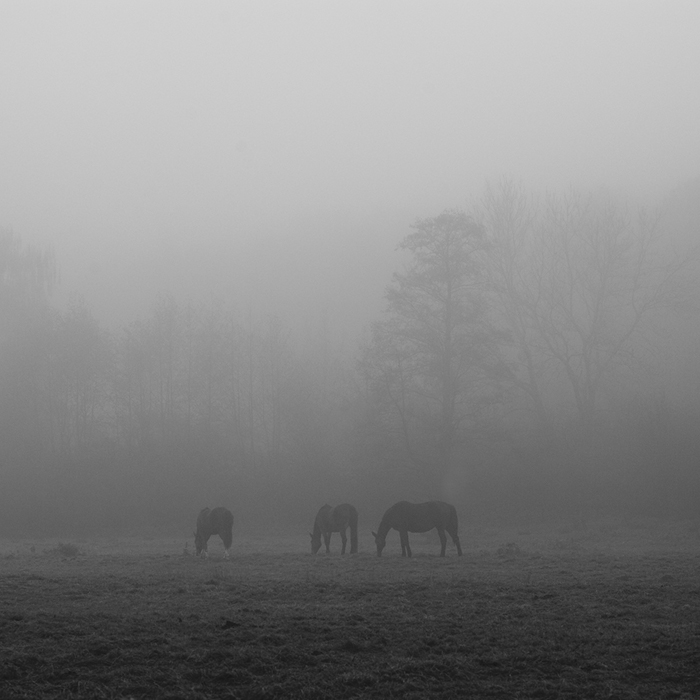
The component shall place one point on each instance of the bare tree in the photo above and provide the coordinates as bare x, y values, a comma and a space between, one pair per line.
27, 276
82, 365
575, 282
423, 358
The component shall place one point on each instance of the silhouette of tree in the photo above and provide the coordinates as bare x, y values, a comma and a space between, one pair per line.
574, 284
423, 359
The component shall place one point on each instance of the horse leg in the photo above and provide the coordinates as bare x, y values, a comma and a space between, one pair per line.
353, 538
327, 540
405, 546
455, 539
344, 538
443, 541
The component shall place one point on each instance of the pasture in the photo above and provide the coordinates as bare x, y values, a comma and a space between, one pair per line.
608, 611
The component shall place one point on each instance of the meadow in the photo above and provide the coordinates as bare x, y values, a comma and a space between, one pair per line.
611, 610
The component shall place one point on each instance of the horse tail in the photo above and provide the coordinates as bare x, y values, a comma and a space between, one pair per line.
353, 531
453, 522
227, 534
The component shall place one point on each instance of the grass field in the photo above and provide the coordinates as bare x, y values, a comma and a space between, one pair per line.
609, 611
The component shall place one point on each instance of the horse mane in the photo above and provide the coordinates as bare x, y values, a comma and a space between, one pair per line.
318, 520
385, 525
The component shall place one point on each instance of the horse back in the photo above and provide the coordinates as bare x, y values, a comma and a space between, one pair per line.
443, 513
221, 523
203, 521
421, 517
396, 517
322, 522
218, 521
343, 516
221, 518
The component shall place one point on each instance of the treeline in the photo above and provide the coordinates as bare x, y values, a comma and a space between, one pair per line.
187, 406
526, 360
521, 370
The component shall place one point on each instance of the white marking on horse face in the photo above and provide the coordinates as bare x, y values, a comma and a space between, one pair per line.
226, 554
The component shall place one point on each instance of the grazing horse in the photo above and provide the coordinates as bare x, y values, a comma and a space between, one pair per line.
336, 519
213, 522
418, 517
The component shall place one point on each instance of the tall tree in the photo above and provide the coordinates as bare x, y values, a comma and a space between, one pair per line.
423, 358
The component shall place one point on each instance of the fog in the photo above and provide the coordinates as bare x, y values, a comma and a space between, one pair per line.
196, 147
270, 156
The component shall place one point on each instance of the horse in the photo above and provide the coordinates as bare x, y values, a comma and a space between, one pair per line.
336, 519
418, 517
213, 522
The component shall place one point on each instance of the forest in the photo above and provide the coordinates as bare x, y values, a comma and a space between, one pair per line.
536, 361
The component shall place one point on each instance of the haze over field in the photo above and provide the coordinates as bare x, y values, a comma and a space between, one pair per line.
357, 252
274, 153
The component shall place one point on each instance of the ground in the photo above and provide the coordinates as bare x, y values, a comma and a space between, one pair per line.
606, 611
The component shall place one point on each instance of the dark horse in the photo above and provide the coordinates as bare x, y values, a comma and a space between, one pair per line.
213, 522
419, 517
336, 519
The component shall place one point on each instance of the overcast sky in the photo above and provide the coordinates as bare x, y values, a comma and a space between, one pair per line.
215, 146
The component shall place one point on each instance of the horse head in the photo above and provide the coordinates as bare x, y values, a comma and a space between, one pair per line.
315, 542
380, 541
199, 544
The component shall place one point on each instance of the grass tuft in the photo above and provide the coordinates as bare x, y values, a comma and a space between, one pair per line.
68, 550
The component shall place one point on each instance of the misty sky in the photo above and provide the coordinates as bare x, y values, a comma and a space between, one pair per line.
216, 147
